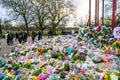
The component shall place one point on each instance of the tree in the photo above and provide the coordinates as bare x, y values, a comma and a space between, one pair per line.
20, 9
7, 25
108, 8
0, 27
41, 12
58, 11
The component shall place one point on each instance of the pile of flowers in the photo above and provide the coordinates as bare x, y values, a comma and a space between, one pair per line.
61, 57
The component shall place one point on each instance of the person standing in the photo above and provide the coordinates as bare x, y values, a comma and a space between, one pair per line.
39, 35
33, 35
16, 36
24, 37
7, 38
50, 34
20, 37
10, 39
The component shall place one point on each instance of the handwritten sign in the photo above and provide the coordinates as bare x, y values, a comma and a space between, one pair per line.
116, 32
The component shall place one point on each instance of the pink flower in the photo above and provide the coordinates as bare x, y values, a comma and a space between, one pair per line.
72, 75
1, 71
42, 76
49, 70
66, 57
81, 50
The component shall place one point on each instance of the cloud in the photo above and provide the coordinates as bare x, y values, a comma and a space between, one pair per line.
3, 13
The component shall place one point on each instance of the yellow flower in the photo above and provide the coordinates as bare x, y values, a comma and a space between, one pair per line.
49, 51
35, 77
110, 48
43, 70
12, 76
74, 78
23, 52
105, 76
7, 71
117, 73
107, 48
102, 51
14, 62
77, 61
28, 63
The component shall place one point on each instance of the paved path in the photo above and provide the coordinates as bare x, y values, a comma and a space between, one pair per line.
5, 49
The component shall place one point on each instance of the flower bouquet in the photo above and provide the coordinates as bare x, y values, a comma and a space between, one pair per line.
37, 72
62, 75
34, 77
23, 53
116, 46
27, 64
60, 55
8, 78
34, 49
52, 63
15, 65
2, 63
39, 50
43, 76
44, 50
12, 49
2, 74
66, 67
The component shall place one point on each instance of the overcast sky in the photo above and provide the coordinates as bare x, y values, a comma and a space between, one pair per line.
82, 10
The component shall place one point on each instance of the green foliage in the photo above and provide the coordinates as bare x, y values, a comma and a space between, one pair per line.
62, 75
15, 65
116, 45
37, 72
8, 78
27, 65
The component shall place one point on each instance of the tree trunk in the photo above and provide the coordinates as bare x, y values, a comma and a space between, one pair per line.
89, 20
96, 12
26, 25
0, 27
114, 13
102, 12
53, 29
